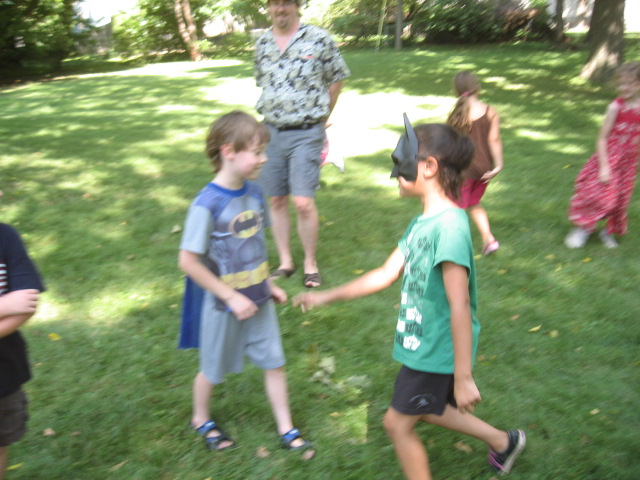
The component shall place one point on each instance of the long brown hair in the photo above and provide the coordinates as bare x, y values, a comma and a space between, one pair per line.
465, 84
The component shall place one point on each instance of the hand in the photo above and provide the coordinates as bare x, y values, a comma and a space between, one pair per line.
308, 300
488, 176
466, 394
604, 174
242, 307
278, 294
19, 302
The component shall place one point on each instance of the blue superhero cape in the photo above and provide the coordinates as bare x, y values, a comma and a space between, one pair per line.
191, 310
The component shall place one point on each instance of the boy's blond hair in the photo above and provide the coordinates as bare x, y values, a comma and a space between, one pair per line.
238, 129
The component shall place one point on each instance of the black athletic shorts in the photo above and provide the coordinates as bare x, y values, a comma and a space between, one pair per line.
422, 393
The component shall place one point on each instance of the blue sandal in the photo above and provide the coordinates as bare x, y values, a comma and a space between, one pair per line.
213, 443
290, 436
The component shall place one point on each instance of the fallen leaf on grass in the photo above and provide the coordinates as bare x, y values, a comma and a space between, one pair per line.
463, 447
586, 260
554, 333
550, 257
48, 432
515, 317
502, 271
15, 467
262, 452
54, 337
335, 414
358, 272
535, 329
176, 229
118, 466
595, 411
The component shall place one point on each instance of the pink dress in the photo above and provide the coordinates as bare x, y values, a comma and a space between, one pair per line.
592, 200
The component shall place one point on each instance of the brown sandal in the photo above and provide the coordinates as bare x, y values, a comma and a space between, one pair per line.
312, 280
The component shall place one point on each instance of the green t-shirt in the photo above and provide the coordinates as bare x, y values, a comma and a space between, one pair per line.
423, 334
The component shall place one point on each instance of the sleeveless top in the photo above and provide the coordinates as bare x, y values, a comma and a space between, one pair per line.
482, 161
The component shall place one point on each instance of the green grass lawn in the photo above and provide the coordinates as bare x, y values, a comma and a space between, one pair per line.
98, 171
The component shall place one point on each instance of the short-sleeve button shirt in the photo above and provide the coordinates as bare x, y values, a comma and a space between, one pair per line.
295, 82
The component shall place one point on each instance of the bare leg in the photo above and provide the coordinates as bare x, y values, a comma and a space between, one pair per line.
281, 230
466, 423
4, 459
481, 219
275, 384
409, 449
202, 391
308, 226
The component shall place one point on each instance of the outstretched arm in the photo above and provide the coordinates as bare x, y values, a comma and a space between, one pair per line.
241, 306
371, 282
456, 285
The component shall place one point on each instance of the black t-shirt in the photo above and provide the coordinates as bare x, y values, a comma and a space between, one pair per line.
17, 272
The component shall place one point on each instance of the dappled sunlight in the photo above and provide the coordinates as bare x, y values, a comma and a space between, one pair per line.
351, 424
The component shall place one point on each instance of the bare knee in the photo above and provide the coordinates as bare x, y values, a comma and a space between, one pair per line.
305, 206
392, 425
279, 203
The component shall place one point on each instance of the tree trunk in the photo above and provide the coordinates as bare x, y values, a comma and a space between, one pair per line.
606, 38
399, 20
186, 27
559, 21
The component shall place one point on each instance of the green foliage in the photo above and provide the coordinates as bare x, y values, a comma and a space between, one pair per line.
457, 21
234, 45
153, 28
45, 31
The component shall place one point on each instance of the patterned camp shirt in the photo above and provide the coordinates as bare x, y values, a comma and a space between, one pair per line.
295, 83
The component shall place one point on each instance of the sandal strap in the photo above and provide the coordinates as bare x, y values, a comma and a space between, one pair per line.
290, 436
207, 427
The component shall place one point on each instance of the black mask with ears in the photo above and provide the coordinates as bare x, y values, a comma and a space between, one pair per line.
405, 156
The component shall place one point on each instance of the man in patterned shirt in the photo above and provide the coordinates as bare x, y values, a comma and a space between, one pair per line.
300, 71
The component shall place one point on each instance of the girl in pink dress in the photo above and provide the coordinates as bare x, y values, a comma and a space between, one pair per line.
604, 186
482, 123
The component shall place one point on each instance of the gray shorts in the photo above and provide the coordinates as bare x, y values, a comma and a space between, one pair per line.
224, 341
293, 165
13, 417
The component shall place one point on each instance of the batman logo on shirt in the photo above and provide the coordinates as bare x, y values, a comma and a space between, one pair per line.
245, 224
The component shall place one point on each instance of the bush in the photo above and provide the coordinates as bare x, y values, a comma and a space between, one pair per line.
232, 44
471, 21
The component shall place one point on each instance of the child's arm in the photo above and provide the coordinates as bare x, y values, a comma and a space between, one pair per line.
241, 306
277, 293
601, 143
371, 282
16, 308
495, 147
455, 279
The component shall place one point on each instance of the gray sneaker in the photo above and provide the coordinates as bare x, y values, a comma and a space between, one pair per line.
576, 238
607, 239
502, 462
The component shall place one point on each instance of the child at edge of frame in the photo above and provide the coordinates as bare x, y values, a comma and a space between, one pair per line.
603, 188
437, 330
228, 308
20, 287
